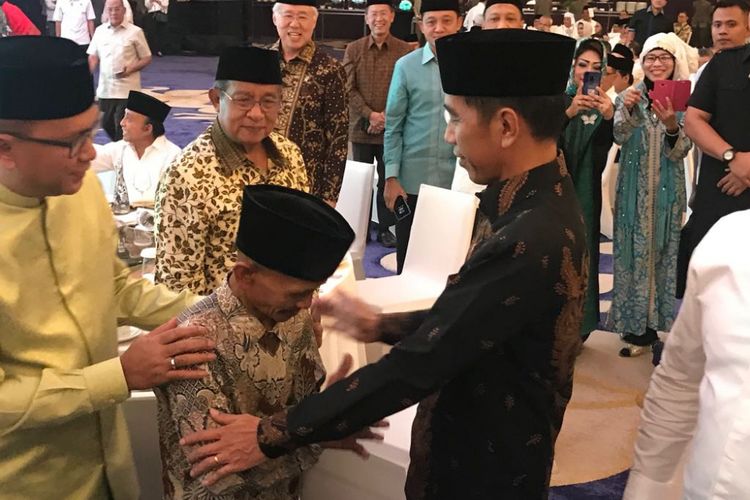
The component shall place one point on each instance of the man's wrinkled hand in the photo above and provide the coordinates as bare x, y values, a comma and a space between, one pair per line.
351, 316
225, 450
165, 354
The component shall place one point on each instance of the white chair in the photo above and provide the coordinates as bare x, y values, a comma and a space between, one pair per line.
354, 205
140, 413
341, 475
439, 242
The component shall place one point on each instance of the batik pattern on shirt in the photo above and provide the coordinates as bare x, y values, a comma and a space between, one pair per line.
491, 362
198, 205
315, 115
256, 371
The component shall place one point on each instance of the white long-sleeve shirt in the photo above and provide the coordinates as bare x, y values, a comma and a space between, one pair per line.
141, 174
701, 389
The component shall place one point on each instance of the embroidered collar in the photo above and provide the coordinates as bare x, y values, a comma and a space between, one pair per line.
228, 304
232, 155
501, 196
306, 54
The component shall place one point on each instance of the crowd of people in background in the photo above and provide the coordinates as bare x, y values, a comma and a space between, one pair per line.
235, 209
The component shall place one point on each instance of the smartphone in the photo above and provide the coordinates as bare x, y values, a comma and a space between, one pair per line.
591, 80
678, 91
401, 208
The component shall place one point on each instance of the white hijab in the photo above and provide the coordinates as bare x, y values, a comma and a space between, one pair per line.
685, 56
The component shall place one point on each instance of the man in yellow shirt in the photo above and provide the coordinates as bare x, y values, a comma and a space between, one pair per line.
63, 292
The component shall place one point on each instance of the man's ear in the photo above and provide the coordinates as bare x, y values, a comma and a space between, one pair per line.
213, 96
7, 160
245, 270
506, 124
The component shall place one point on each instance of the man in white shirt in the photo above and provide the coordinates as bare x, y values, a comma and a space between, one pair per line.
143, 153
120, 50
156, 24
74, 20
619, 74
50, 11
701, 389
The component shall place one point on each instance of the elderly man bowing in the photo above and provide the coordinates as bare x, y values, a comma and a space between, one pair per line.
314, 112
491, 363
200, 194
289, 243
63, 292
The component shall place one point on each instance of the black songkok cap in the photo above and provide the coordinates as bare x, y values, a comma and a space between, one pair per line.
623, 51
292, 232
428, 5
309, 3
536, 63
516, 3
43, 78
379, 2
249, 64
624, 63
620, 63
148, 106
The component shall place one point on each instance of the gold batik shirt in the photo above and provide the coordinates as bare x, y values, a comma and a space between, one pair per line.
198, 205
315, 115
256, 371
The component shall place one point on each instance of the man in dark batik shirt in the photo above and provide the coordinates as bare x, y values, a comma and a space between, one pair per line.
315, 97
492, 362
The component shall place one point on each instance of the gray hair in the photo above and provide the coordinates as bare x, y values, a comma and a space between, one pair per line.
276, 9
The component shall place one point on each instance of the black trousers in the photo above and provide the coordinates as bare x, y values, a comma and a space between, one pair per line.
155, 32
112, 112
365, 153
403, 232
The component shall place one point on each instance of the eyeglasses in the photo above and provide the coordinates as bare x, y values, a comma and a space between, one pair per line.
247, 103
664, 59
301, 18
74, 146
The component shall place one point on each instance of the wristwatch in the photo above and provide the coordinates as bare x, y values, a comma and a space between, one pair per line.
728, 156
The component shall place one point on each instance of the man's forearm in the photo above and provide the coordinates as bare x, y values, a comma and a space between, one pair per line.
704, 135
394, 327
140, 64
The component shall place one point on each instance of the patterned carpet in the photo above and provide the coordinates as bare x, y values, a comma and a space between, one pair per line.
595, 447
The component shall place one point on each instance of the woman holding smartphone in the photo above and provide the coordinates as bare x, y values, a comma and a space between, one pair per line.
586, 140
650, 198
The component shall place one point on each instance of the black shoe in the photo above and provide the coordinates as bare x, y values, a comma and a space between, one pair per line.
387, 239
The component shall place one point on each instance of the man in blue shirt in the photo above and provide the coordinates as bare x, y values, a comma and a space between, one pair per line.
414, 150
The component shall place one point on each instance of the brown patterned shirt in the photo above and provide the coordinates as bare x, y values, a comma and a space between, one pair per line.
369, 70
314, 115
491, 363
198, 205
256, 371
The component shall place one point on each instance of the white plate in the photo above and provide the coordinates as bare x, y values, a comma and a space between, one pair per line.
127, 333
